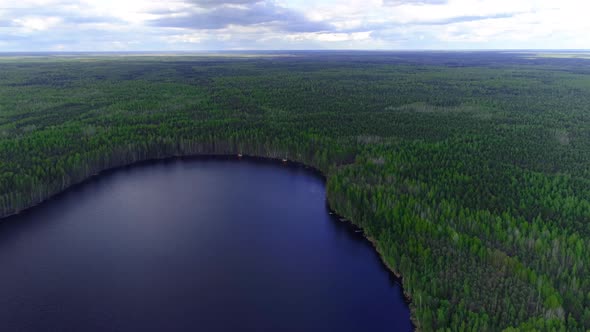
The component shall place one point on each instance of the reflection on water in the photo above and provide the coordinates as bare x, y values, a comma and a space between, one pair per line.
199, 244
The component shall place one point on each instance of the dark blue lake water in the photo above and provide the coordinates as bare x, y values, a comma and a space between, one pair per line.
193, 245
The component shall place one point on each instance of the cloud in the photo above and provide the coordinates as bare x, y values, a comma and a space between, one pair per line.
460, 19
331, 37
216, 3
51, 14
249, 13
414, 2
37, 23
78, 25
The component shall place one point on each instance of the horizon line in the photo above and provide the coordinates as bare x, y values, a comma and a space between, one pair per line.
307, 50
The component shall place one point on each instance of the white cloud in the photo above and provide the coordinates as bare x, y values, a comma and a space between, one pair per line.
424, 13
190, 38
330, 37
537, 26
36, 23
129, 24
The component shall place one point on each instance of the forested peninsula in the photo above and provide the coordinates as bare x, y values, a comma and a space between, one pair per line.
468, 170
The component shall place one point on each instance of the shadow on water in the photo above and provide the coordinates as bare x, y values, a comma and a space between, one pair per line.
356, 234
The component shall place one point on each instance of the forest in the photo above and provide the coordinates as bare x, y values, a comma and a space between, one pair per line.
470, 171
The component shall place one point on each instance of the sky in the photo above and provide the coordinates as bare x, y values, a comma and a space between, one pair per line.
199, 25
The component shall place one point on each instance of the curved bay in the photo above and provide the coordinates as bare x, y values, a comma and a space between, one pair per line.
197, 244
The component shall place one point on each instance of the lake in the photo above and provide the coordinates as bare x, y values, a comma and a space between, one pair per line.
195, 244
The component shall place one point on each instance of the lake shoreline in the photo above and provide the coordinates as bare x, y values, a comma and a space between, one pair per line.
392, 271
230, 157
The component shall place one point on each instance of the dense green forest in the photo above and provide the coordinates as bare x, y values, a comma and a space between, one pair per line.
469, 171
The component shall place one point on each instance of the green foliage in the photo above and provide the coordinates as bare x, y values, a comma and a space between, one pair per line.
472, 179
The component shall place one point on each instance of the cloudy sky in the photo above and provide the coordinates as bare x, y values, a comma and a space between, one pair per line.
167, 25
